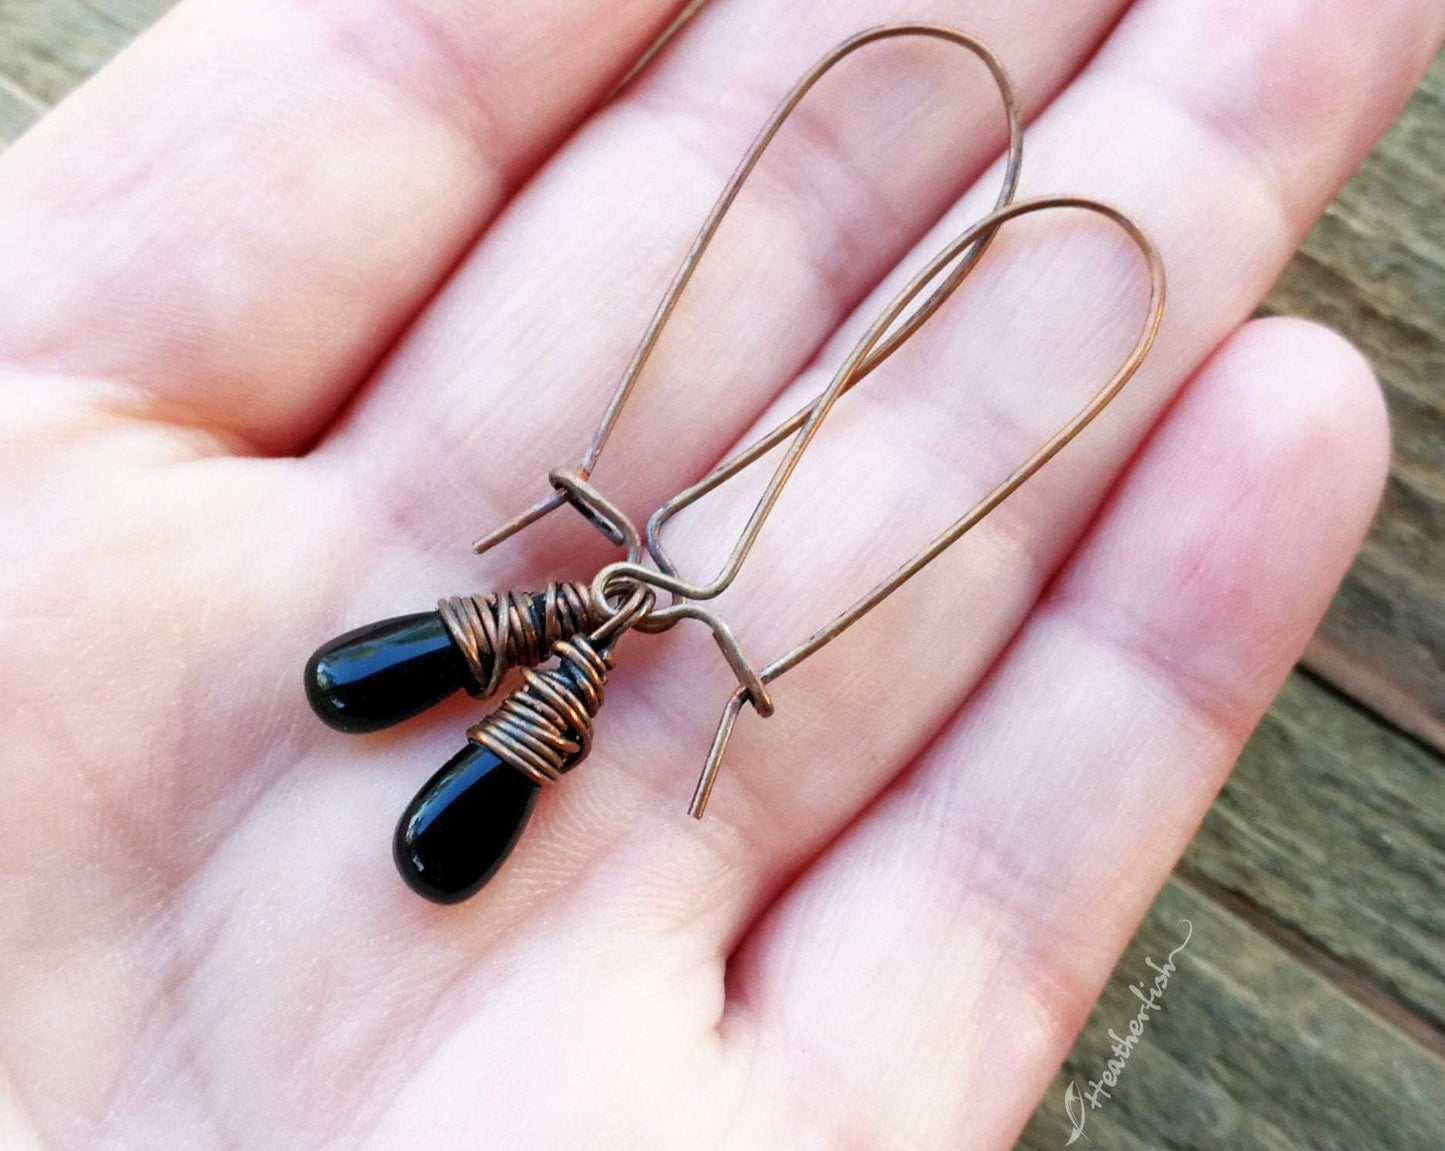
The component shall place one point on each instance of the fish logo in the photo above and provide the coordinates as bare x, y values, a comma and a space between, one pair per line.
1074, 1105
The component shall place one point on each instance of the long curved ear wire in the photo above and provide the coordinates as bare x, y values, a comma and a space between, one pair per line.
753, 683
966, 259
386, 672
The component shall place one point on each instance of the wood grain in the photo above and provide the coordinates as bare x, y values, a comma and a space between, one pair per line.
18, 110
47, 47
1326, 1029
134, 15
1374, 269
1335, 826
1253, 1051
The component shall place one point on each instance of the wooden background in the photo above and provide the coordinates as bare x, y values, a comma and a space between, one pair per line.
1309, 1010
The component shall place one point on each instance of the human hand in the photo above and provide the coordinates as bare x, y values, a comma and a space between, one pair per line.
264, 382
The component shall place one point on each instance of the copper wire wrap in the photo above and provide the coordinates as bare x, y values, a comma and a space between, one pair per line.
544, 727
498, 632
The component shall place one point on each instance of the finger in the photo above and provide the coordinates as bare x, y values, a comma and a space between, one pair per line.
1017, 857
1225, 174
510, 371
239, 214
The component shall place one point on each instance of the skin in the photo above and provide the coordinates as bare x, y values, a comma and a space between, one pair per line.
296, 299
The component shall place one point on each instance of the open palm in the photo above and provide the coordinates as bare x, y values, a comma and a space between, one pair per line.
298, 298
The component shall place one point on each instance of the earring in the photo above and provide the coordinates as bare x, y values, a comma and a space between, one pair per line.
464, 822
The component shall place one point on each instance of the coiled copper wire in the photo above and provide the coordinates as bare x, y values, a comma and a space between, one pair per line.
544, 727
498, 632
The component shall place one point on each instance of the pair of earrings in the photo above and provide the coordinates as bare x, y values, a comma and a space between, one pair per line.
466, 819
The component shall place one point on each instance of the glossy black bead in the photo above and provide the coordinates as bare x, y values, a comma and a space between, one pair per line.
462, 825
385, 672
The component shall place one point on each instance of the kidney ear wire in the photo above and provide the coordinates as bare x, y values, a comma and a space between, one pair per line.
966, 259
803, 426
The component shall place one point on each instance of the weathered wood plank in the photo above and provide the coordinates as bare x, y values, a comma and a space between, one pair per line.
1332, 829
136, 15
1375, 269
47, 47
1253, 1051
18, 110
1335, 826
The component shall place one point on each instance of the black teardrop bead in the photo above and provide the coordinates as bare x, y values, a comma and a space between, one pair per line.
462, 825
385, 672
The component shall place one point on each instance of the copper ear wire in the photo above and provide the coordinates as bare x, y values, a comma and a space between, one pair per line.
844, 379
894, 327
688, 267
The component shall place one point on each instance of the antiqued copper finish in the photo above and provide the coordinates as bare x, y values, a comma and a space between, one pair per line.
498, 632
1012, 167
545, 727
666, 578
